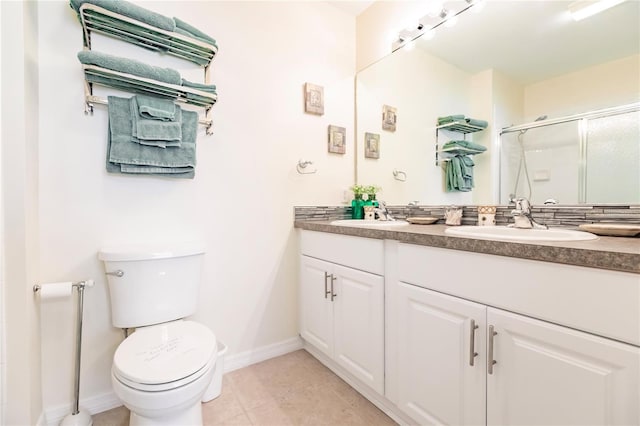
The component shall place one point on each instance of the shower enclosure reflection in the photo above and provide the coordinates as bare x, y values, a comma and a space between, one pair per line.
590, 158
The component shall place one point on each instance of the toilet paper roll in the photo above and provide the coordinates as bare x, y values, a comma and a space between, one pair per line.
55, 290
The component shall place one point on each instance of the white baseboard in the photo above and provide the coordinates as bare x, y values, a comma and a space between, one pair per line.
106, 401
244, 359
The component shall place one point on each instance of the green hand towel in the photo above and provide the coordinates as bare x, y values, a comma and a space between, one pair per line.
123, 151
153, 132
152, 108
129, 66
194, 32
130, 10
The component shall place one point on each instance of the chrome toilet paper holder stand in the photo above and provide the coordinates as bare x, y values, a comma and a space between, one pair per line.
77, 417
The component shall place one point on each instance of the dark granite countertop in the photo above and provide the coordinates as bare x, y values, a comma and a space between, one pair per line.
614, 253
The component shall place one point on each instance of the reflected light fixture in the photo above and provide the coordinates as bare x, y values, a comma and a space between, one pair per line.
448, 17
582, 9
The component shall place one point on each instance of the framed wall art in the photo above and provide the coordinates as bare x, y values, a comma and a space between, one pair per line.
313, 99
389, 118
371, 145
337, 139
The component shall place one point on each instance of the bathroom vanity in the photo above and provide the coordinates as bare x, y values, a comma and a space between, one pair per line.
438, 329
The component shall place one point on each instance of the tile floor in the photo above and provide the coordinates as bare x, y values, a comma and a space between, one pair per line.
293, 389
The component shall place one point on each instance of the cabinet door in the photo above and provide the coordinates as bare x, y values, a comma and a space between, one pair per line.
436, 382
316, 315
546, 374
359, 325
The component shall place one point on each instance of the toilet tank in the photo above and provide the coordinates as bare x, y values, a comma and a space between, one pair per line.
151, 284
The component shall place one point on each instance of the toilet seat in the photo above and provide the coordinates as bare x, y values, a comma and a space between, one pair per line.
165, 356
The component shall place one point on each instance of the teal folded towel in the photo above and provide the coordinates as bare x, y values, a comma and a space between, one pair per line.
463, 147
126, 156
477, 123
153, 108
129, 66
209, 88
193, 32
450, 118
162, 134
130, 10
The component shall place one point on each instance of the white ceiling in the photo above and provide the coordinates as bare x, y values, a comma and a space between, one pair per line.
534, 40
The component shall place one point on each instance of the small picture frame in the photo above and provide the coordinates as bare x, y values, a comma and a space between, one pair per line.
337, 139
389, 118
313, 99
371, 145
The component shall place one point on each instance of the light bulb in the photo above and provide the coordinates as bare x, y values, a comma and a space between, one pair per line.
450, 22
430, 34
409, 45
478, 5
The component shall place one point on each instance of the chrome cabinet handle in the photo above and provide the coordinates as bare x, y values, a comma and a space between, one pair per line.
119, 273
326, 292
472, 341
333, 295
490, 361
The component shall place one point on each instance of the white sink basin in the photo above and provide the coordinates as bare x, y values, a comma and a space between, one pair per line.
369, 223
504, 233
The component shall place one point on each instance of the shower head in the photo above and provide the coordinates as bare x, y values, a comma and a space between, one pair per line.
542, 117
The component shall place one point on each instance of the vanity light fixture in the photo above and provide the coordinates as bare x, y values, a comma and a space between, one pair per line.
427, 25
582, 9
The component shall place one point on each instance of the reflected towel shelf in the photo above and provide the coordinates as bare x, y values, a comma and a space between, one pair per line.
460, 127
98, 19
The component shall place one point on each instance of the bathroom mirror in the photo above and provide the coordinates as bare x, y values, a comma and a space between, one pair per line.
510, 64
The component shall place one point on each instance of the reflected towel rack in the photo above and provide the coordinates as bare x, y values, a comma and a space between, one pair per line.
458, 127
98, 19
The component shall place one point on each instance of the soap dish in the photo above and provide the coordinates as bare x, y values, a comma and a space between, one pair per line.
612, 229
422, 220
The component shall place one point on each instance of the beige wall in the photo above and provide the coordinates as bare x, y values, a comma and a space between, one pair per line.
20, 212
63, 206
605, 85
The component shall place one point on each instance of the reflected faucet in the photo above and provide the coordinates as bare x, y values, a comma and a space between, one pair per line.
522, 216
382, 212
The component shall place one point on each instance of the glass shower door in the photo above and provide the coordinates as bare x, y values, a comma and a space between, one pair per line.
612, 159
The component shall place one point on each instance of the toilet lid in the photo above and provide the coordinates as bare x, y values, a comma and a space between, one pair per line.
164, 353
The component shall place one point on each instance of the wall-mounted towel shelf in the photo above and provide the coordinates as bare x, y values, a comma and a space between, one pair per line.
195, 50
454, 151
98, 19
458, 127
128, 82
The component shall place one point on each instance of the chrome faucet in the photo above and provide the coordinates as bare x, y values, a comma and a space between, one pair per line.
382, 212
522, 216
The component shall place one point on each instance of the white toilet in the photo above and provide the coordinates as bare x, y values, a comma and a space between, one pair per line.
161, 371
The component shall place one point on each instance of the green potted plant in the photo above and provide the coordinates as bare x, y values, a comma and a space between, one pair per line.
371, 191
357, 204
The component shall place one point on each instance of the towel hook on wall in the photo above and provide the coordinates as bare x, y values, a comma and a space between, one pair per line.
302, 165
399, 175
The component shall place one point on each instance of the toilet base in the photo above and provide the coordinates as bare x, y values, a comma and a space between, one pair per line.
189, 417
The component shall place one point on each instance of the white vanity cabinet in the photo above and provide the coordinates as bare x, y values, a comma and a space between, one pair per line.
527, 370
342, 302
441, 357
